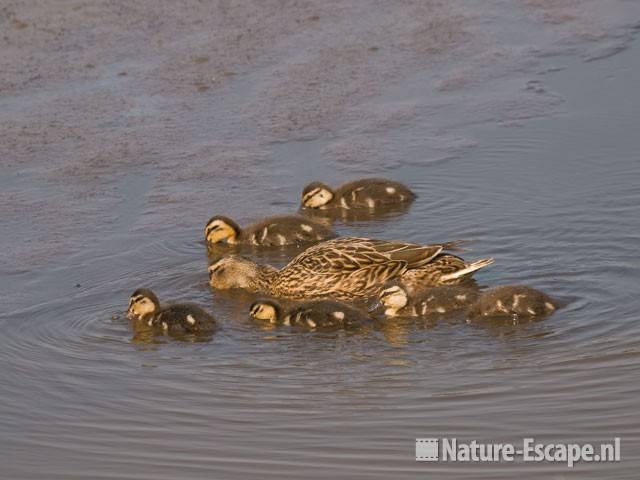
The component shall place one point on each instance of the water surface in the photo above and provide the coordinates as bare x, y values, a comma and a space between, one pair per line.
514, 122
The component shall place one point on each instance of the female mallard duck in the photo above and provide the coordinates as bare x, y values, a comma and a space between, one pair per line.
310, 315
270, 232
345, 268
178, 319
444, 269
512, 301
397, 301
368, 193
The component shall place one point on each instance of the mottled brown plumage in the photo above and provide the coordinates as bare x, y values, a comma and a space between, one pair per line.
345, 268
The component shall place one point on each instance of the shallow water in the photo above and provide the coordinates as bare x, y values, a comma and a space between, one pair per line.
515, 124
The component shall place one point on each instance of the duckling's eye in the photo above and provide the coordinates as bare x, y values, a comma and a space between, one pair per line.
390, 291
307, 198
212, 227
216, 269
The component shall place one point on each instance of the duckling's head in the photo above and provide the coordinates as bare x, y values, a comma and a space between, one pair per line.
143, 304
394, 297
316, 195
265, 310
234, 271
221, 229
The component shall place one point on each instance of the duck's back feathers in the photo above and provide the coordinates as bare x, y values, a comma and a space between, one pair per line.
512, 300
372, 193
325, 315
349, 267
444, 299
184, 318
352, 253
285, 230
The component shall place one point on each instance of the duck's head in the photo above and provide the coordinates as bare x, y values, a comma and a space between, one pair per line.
234, 271
143, 304
221, 229
265, 310
394, 297
316, 195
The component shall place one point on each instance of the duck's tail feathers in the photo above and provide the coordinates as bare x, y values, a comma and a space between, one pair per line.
468, 269
455, 246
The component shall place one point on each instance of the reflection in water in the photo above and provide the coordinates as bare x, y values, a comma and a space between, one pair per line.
143, 334
506, 327
397, 330
352, 216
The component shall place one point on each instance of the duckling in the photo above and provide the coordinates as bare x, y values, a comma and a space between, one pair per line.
270, 232
444, 269
432, 301
512, 301
311, 315
368, 193
344, 268
178, 319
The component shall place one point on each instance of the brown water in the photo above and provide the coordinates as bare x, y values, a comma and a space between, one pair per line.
123, 128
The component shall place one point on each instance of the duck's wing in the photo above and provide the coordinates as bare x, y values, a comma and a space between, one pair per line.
367, 279
413, 254
342, 256
350, 267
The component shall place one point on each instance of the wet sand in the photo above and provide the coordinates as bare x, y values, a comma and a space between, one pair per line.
124, 127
